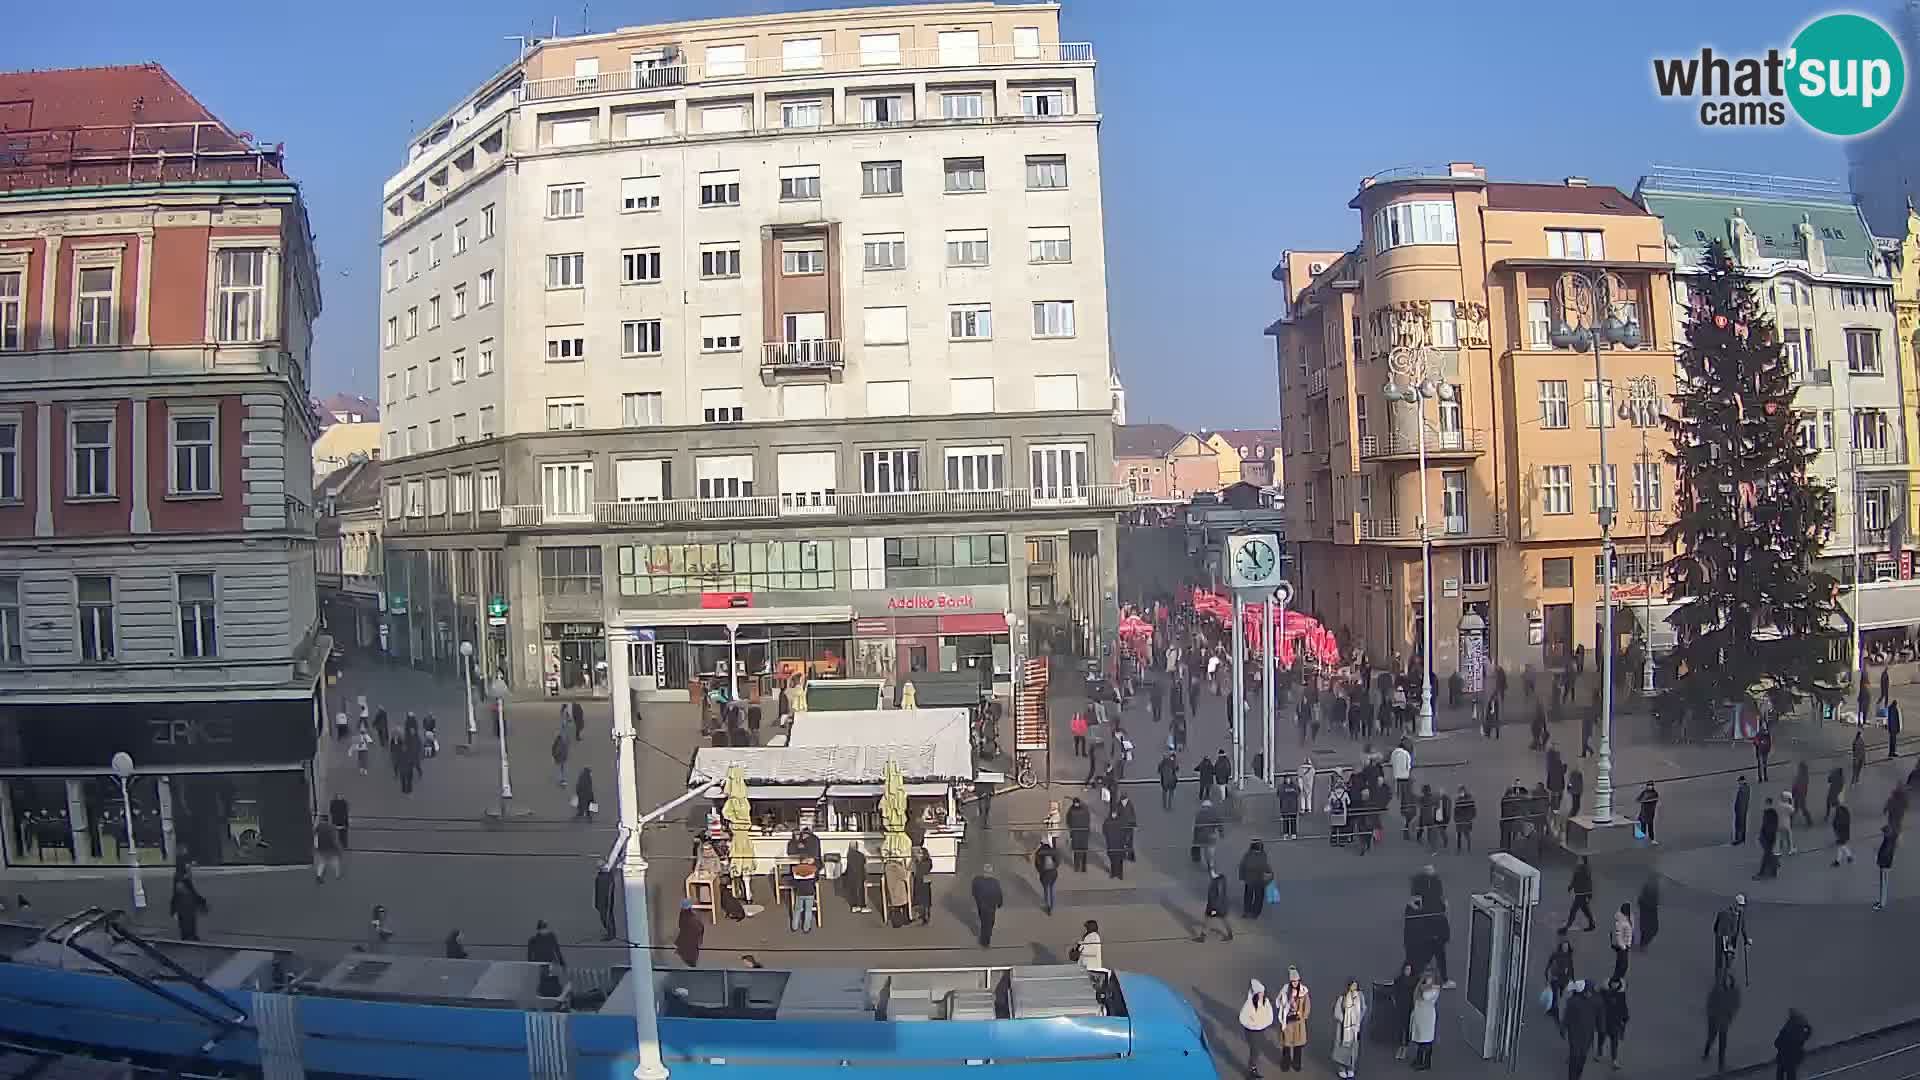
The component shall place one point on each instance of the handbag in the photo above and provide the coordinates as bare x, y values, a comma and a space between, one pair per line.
1273, 892
593, 808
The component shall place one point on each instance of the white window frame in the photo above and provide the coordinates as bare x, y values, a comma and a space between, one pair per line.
963, 175
643, 408
719, 336
567, 270
883, 110
1539, 324
1864, 361
1607, 494
884, 325
640, 337
1044, 386
566, 344
10, 427
800, 258
486, 288
241, 306
722, 61
723, 405
893, 172
967, 247
1556, 489
1443, 324
566, 491
463, 493
205, 454
639, 194
1059, 472
483, 353
86, 327
1599, 403
460, 237
640, 266
1553, 405
879, 49
1049, 244
437, 494
1582, 244
97, 453
970, 322
719, 188
1049, 102
810, 113
1646, 486
457, 367
1046, 172
1415, 221
723, 476
488, 496
1053, 319
802, 54
565, 413
642, 480
799, 183
881, 389
976, 468
958, 48
566, 201
460, 301
1026, 43
963, 105
1476, 567
486, 222
96, 621
884, 251
718, 261
894, 471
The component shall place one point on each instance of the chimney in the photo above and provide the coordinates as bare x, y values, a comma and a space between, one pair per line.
1576, 181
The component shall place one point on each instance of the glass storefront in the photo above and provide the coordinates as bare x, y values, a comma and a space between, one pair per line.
575, 658
215, 819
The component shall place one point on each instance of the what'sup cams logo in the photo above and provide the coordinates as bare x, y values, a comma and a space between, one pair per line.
1844, 75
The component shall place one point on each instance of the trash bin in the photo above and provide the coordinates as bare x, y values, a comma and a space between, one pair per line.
1383, 1017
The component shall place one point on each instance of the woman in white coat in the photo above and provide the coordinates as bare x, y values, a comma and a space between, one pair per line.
1426, 1017
1256, 1017
1349, 1009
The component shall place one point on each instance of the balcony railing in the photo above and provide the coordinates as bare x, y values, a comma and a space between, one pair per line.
1445, 527
1819, 376
820, 354
674, 513
762, 67
1397, 445
1870, 457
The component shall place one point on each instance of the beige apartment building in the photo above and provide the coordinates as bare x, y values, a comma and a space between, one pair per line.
783, 338
1467, 266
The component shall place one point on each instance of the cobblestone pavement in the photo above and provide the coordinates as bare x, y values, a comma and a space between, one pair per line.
437, 862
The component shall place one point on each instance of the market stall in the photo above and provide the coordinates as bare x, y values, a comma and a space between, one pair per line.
831, 776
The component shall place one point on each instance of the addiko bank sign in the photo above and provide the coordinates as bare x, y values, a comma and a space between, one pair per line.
958, 599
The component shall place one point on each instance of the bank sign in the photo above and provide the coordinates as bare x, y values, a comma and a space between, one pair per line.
1844, 75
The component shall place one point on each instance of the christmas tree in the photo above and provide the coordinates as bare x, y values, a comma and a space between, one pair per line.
1755, 617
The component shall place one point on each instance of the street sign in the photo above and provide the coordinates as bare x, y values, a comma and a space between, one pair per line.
397, 604
497, 607
1283, 593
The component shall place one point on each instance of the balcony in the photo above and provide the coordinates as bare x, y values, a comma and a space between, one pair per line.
1441, 446
1819, 376
658, 77
807, 357
1488, 526
1879, 457
852, 506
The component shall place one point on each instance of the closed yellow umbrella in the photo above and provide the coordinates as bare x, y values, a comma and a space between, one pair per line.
893, 815
738, 812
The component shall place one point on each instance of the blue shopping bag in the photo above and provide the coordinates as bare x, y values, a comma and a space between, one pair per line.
1273, 892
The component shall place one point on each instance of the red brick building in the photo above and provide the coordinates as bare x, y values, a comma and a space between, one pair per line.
158, 288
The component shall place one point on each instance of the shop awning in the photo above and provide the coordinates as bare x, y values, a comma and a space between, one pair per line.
801, 792
928, 745
1883, 606
991, 622
722, 616
876, 790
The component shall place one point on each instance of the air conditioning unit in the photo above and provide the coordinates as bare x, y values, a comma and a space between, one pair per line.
1316, 268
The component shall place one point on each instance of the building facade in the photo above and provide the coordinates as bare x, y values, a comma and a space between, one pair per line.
1468, 268
157, 293
349, 556
782, 337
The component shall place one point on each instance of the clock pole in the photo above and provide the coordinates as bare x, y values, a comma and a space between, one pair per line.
1239, 674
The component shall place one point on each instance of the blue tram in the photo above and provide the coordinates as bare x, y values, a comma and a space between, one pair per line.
89, 986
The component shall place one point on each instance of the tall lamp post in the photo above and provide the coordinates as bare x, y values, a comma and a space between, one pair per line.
123, 772
497, 690
1641, 408
466, 685
1413, 378
1588, 306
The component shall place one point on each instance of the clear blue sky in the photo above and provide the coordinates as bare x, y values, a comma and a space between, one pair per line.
1225, 141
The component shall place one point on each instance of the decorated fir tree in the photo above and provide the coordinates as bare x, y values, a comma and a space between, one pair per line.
1755, 617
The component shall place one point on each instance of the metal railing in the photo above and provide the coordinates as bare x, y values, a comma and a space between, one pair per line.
1397, 444
91, 155
1819, 376
813, 354
663, 513
762, 67
1445, 527
1868, 457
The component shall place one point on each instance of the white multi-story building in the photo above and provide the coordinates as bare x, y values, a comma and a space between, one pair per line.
804, 313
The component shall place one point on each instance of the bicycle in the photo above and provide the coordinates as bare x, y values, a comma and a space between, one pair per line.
1023, 772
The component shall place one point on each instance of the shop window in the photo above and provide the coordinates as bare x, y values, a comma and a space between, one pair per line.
570, 571
226, 819
39, 823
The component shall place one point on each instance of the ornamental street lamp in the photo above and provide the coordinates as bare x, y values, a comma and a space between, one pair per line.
466, 686
1414, 377
1594, 310
123, 771
1640, 409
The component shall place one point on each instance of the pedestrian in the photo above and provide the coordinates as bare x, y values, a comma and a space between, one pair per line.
1222, 774
983, 797
1206, 834
1088, 952
584, 805
1581, 886
580, 729
1556, 775
1204, 771
1576, 788
1052, 826
1304, 776
1079, 831
1295, 1009
854, 879
560, 749
805, 845
1886, 684
1769, 839
326, 849
1416, 942
1216, 907
1799, 788
1787, 808
1046, 864
1790, 1045
1130, 822
1169, 770
603, 889
542, 948
1842, 821
1289, 806
1730, 934
1096, 746
1649, 800
1723, 1003
922, 884
691, 933
1349, 1012
1859, 751
379, 934
806, 896
380, 726
1078, 726
1836, 783
1622, 940
1256, 1017
1649, 911
1114, 833
1404, 985
337, 812
988, 898
1423, 1022
454, 948
1559, 974
1580, 1025
1587, 721
1401, 761
1889, 840
1464, 811
340, 726
187, 905
1893, 729
362, 748
1255, 872
1742, 799
1613, 1021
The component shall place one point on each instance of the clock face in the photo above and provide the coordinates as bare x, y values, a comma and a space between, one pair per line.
1256, 561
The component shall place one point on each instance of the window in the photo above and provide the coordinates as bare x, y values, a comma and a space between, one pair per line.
9, 460
577, 131
640, 337
963, 106
433, 375
92, 442
1419, 222
1863, 351
640, 266
566, 491
1445, 332
639, 194
412, 381
243, 294
799, 182
460, 237
808, 481
890, 397
394, 448
884, 251
1874, 507
1574, 244
803, 257
486, 288
563, 414
1046, 171
724, 60
9, 620
720, 188
94, 306
413, 263
966, 247
725, 405
970, 322
1053, 393
1058, 472
1599, 405
971, 395
459, 301
433, 251
800, 54
1599, 495
1026, 43
1049, 244
880, 178
1052, 318
586, 73
461, 432
1870, 430
193, 450
1553, 403
94, 596
565, 344
1556, 573
489, 490
966, 174
1044, 103
976, 468
566, 200
729, 477
463, 493
889, 472
1646, 485
645, 409
1539, 324
414, 444
890, 109
808, 402
486, 222
719, 333
879, 49
1826, 429
1556, 489
1643, 404
393, 274
436, 435
720, 261
433, 312
486, 356
799, 114
567, 271
458, 366
884, 326
1476, 567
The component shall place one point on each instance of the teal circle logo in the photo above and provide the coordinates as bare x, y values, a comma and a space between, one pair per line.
1846, 75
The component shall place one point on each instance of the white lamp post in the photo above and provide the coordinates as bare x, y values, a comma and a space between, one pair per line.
1414, 377
497, 690
123, 771
466, 685
633, 870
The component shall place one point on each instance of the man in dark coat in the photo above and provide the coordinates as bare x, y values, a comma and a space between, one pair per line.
1114, 832
603, 888
1742, 800
1581, 1023
1079, 832
1205, 772
1723, 1002
1169, 780
544, 946
1046, 864
988, 899
1556, 775
338, 814
1790, 1045
1769, 837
